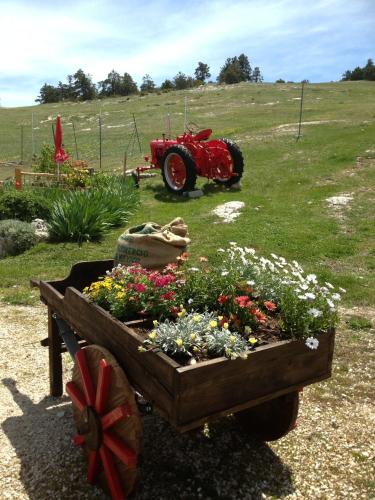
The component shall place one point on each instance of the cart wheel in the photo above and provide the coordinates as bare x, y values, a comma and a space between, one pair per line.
273, 419
237, 164
178, 169
107, 420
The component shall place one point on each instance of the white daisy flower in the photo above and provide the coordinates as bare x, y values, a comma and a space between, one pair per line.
194, 269
310, 295
221, 250
315, 312
312, 278
329, 285
233, 243
250, 282
225, 273
312, 343
336, 296
190, 301
302, 297
342, 289
330, 303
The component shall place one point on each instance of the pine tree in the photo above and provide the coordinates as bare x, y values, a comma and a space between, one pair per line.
202, 72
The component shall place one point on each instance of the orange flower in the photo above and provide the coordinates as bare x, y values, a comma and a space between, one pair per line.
270, 305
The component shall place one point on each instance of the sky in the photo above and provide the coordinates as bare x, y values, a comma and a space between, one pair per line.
42, 42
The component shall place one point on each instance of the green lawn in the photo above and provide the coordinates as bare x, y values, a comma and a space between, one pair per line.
284, 187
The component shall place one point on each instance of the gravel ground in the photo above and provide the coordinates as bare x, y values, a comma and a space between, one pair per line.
330, 455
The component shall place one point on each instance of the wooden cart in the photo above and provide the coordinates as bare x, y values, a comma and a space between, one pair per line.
262, 391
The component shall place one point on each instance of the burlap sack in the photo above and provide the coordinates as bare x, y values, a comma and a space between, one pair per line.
152, 245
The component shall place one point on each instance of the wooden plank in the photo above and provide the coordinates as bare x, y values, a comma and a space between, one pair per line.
243, 406
152, 373
223, 384
82, 274
54, 355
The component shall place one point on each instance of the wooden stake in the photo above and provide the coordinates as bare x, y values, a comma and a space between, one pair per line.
300, 112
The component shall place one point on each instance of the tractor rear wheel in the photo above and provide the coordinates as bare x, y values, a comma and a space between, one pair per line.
237, 167
178, 170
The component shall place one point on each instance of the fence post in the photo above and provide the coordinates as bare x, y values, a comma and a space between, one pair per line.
18, 178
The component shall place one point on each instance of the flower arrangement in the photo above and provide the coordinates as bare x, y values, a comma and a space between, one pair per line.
131, 291
225, 307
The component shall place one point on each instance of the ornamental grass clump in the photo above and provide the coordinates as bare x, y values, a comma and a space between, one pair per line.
197, 336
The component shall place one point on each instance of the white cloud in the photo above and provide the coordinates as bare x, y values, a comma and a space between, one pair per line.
163, 37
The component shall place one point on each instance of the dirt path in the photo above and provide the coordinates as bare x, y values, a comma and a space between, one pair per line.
330, 455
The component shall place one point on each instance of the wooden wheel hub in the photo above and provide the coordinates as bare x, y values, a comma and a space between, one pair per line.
107, 420
91, 429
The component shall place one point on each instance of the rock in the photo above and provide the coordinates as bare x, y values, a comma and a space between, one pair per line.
41, 229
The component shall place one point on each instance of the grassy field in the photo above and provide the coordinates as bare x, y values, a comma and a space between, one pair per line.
284, 188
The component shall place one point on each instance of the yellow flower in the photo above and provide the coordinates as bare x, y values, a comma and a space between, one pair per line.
152, 335
225, 325
213, 324
155, 322
197, 318
248, 330
179, 342
220, 318
252, 340
193, 337
141, 349
182, 313
86, 289
232, 338
120, 295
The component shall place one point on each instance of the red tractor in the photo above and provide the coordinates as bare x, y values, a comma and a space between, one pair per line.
189, 155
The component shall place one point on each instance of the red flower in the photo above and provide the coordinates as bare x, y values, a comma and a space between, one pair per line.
243, 301
259, 316
270, 305
168, 295
223, 298
139, 287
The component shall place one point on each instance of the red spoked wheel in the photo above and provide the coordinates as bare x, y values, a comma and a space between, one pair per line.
107, 420
178, 169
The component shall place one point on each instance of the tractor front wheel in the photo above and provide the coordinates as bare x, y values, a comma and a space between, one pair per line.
237, 164
178, 170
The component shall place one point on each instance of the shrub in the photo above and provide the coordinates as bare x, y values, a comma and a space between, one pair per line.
85, 215
23, 205
15, 237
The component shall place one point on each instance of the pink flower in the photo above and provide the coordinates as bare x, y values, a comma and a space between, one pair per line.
164, 280
243, 301
139, 287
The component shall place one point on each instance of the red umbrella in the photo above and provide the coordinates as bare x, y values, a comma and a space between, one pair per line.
60, 156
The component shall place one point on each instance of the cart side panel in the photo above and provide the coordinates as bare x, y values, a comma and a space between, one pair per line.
217, 386
82, 274
153, 374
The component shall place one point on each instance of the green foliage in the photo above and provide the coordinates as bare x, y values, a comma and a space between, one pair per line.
44, 162
237, 69
148, 84
23, 205
16, 237
202, 72
115, 84
359, 323
358, 73
85, 215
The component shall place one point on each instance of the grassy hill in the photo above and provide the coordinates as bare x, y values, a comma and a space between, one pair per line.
284, 188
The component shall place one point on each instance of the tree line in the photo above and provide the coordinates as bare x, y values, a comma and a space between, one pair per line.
358, 73
80, 87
